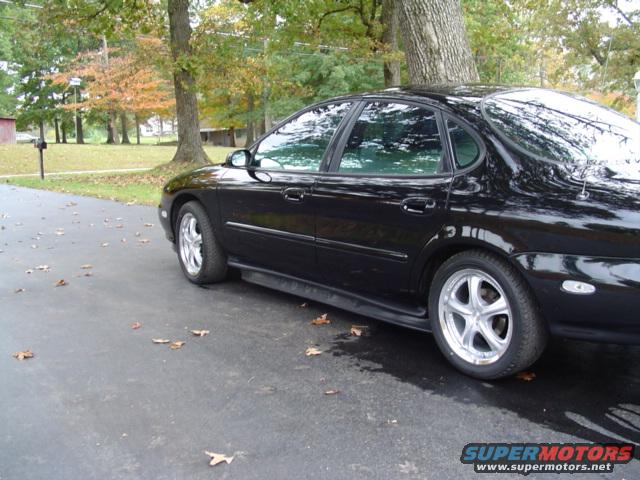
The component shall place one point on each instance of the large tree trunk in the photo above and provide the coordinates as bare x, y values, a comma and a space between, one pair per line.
56, 126
125, 133
63, 129
232, 137
389, 19
189, 141
251, 123
435, 41
78, 120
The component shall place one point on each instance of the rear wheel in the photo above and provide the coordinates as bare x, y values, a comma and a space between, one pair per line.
201, 256
484, 317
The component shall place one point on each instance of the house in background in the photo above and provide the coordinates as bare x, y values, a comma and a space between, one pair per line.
7, 130
224, 137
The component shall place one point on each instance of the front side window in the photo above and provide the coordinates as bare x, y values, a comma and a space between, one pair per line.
300, 143
393, 139
465, 149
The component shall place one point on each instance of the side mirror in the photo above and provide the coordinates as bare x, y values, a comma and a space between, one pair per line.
239, 158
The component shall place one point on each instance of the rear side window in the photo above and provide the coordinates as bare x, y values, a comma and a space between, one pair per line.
300, 143
393, 139
465, 149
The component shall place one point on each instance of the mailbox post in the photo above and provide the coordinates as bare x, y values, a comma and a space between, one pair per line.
41, 145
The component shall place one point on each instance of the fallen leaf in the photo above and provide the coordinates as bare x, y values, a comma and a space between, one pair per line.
331, 392
18, 290
60, 283
136, 325
200, 333
321, 320
23, 355
138, 234
34, 246
43, 268
356, 330
124, 240
71, 204
119, 226
76, 213
303, 305
148, 224
86, 266
143, 240
29, 270
217, 458
130, 203
176, 345
105, 244
160, 340
526, 376
312, 351
85, 274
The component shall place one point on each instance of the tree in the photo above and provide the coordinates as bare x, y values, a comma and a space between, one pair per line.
189, 141
436, 44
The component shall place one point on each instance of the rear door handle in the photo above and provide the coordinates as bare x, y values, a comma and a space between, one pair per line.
294, 194
417, 205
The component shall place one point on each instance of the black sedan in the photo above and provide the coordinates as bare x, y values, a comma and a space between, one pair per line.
490, 216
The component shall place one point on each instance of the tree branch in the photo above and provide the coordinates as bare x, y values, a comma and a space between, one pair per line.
337, 10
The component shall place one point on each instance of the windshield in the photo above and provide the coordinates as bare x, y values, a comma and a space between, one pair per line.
564, 128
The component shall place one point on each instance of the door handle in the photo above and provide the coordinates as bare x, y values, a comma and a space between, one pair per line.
417, 205
293, 194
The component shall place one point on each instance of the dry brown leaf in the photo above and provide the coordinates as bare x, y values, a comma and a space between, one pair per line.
18, 290
148, 224
85, 274
61, 283
217, 458
86, 266
120, 226
526, 376
331, 392
312, 351
23, 355
43, 268
356, 330
200, 333
136, 325
144, 240
303, 305
124, 240
160, 340
29, 270
321, 320
105, 244
176, 345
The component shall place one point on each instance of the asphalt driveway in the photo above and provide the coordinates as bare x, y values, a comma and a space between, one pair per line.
99, 400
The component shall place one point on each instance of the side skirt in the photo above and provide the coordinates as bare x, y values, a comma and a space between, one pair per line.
414, 318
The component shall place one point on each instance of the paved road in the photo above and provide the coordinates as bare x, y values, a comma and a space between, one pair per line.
101, 401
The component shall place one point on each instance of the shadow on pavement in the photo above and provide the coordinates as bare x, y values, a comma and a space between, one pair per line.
583, 389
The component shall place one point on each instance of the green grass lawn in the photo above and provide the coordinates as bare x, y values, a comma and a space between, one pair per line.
139, 187
23, 158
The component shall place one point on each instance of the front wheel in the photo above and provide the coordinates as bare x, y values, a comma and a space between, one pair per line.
484, 317
201, 256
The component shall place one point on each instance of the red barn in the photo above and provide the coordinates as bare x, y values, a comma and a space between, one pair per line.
7, 130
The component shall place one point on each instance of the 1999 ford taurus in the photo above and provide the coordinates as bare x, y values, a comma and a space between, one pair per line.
489, 216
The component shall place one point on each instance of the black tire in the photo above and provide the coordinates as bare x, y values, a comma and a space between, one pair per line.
529, 332
213, 267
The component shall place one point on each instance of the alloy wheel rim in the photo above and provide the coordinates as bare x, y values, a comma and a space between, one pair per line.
475, 316
190, 244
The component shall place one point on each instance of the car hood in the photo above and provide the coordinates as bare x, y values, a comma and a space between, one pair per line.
203, 177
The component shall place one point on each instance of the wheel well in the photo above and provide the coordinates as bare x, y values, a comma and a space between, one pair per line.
176, 206
440, 256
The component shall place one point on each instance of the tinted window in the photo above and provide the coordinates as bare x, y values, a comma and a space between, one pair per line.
465, 148
300, 143
393, 139
563, 128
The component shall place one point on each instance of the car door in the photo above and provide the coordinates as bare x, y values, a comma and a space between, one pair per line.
266, 209
383, 198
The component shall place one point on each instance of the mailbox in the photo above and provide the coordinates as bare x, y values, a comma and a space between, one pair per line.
40, 144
